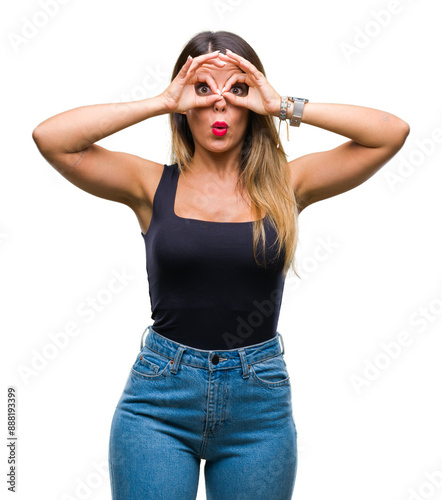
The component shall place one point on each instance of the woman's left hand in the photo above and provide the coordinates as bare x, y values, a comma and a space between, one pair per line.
262, 98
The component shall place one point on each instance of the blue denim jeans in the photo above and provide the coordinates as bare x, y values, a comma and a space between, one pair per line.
232, 408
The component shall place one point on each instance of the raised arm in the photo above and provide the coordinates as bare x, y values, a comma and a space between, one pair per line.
67, 140
376, 136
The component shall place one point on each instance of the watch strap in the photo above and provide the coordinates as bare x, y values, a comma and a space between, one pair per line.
298, 110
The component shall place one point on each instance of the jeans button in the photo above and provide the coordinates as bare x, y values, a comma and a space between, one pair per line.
215, 359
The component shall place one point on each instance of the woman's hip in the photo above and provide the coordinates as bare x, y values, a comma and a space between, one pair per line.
204, 393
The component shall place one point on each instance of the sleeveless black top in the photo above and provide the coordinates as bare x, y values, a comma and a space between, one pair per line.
206, 290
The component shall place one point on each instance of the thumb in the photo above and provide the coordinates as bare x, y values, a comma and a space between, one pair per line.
208, 100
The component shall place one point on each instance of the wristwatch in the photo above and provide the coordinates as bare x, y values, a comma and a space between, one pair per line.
298, 109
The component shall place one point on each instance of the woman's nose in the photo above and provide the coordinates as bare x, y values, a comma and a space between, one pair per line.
220, 104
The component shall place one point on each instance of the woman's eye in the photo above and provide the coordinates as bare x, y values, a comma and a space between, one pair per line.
203, 89
240, 90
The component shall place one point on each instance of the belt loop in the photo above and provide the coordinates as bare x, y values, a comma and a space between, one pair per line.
142, 342
282, 342
177, 359
244, 365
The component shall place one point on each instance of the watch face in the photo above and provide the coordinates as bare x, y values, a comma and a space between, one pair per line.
298, 99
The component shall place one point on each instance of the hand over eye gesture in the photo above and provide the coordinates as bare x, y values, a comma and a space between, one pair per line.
261, 98
180, 95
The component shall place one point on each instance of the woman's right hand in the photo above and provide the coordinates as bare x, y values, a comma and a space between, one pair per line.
180, 95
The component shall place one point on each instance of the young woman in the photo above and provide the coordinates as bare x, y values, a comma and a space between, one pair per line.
220, 229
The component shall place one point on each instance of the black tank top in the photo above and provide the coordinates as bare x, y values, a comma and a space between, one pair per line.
206, 290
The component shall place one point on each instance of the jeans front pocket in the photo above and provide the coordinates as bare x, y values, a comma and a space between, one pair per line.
150, 365
271, 372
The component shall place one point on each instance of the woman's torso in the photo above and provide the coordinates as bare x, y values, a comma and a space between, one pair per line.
205, 288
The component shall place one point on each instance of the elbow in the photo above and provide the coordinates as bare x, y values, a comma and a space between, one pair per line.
40, 138
403, 132
36, 135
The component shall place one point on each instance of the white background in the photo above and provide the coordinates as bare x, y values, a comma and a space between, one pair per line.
380, 281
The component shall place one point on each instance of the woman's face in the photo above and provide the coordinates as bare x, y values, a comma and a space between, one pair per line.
202, 119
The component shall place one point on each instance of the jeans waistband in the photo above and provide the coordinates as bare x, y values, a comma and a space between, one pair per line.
212, 359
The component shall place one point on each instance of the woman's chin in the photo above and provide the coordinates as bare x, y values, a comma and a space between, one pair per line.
219, 145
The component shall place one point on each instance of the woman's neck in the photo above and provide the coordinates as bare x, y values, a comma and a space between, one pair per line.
222, 165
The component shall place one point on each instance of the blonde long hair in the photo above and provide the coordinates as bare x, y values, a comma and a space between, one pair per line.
264, 174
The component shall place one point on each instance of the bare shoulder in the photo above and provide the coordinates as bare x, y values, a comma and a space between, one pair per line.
150, 176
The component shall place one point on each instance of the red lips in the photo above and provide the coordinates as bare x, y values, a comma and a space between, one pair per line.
220, 125
219, 128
